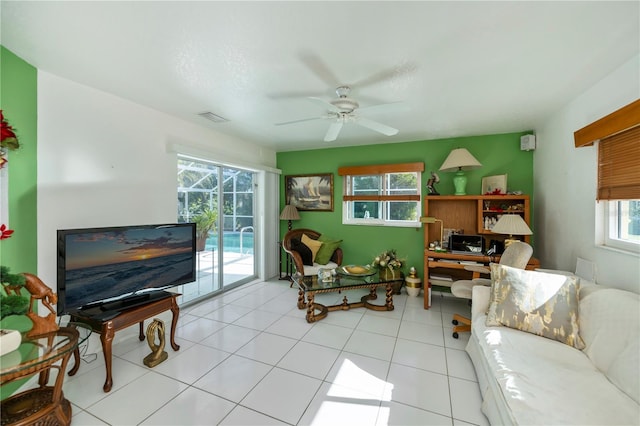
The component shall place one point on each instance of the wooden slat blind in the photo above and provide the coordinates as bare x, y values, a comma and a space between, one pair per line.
379, 169
381, 198
619, 166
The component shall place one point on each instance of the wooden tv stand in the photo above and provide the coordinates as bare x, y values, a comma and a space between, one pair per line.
128, 317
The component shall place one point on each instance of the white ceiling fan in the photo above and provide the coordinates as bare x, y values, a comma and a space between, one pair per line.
342, 110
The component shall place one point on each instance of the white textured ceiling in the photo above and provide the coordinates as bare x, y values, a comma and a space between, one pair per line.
459, 68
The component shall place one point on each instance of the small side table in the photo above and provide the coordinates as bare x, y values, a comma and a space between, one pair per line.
107, 328
45, 404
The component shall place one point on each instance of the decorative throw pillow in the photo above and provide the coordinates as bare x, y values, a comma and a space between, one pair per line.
303, 251
314, 245
535, 302
329, 245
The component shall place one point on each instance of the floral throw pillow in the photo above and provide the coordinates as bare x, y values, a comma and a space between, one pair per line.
535, 302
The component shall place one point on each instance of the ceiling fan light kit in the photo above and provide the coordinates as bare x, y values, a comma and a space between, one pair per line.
343, 110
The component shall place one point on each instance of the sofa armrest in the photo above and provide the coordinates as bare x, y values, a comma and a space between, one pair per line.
555, 271
478, 269
480, 300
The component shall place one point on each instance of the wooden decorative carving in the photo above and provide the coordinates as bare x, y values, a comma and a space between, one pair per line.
40, 291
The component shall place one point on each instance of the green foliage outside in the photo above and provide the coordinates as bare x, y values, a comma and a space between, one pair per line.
199, 189
397, 184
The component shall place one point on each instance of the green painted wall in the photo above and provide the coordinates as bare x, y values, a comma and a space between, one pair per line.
498, 154
18, 101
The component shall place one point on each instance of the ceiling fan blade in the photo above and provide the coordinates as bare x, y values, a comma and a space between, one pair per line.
292, 94
398, 106
299, 121
388, 74
320, 69
325, 104
378, 127
334, 131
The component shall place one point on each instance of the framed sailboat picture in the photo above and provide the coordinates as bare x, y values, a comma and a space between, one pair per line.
310, 192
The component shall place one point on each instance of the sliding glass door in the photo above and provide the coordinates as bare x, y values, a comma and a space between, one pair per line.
220, 200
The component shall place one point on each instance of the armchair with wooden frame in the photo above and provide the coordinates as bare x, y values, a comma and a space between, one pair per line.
516, 255
291, 244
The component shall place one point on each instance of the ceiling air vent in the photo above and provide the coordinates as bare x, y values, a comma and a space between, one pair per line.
213, 117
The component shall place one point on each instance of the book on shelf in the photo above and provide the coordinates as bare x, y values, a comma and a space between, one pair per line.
440, 277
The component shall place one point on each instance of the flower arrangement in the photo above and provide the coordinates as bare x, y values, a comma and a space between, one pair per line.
388, 259
8, 139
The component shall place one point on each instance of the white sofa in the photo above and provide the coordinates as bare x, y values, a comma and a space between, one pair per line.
531, 380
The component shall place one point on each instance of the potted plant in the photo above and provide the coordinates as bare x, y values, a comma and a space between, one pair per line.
389, 266
205, 221
12, 302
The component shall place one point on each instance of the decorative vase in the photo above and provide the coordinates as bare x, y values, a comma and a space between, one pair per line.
413, 286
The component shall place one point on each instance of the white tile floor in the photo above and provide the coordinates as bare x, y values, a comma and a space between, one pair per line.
248, 357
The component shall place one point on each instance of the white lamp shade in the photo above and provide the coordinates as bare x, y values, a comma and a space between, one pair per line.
511, 224
459, 159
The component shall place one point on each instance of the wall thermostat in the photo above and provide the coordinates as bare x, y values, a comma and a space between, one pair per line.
527, 142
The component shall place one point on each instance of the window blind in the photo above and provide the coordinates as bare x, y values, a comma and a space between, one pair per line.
619, 166
380, 169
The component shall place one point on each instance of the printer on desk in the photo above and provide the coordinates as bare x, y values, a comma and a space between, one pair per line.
466, 244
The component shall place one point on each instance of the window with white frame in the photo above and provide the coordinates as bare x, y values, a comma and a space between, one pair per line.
382, 195
622, 225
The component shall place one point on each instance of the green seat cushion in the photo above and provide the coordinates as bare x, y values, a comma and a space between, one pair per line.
329, 245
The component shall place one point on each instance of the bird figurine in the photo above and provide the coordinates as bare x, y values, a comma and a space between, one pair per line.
431, 184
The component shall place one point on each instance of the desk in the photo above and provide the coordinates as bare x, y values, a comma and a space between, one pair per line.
449, 261
43, 405
107, 328
310, 286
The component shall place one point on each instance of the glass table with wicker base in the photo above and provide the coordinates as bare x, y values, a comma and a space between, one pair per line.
310, 285
45, 404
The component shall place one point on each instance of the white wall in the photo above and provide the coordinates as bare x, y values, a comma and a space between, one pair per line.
565, 181
103, 161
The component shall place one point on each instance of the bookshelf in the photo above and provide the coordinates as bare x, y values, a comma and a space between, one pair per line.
468, 214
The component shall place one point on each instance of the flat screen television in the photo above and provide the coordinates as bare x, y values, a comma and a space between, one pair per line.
101, 265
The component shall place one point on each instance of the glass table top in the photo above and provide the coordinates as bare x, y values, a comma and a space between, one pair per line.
43, 349
312, 283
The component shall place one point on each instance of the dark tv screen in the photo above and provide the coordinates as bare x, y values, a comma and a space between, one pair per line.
96, 265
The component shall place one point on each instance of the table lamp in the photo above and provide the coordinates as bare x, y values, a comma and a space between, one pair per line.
289, 213
511, 224
458, 160
428, 219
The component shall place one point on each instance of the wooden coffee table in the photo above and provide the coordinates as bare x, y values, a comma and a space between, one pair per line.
310, 286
